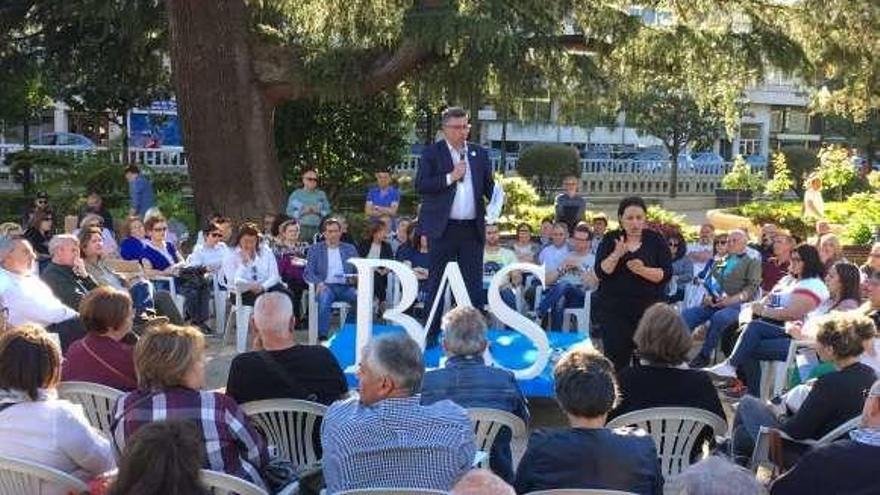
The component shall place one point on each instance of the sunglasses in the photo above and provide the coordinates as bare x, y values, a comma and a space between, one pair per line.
215, 234
720, 243
673, 244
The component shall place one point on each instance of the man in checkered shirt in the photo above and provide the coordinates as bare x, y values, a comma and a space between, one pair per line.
385, 438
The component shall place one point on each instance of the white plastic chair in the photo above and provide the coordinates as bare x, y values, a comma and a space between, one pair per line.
96, 400
488, 422
341, 306
220, 296
582, 315
761, 454
289, 425
579, 491
242, 316
224, 484
19, 477
774, 374
179, 300
674, 430
392, 491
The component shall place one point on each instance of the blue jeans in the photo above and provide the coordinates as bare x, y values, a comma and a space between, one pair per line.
760, 341
719, 320
329, 295
141, 297
559, 296
751, 415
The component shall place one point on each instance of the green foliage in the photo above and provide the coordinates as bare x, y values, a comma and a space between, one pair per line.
548, 164
664, 221
347, 141
787, 215
874, 180
781, 182
741, 177
521, 204
836, 169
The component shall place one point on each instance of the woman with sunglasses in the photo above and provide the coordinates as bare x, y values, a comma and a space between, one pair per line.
767, 337
682, 268
38, 233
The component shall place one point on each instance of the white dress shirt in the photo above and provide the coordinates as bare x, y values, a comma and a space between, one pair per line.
208, 257
30, 300
335, 270
463, 207
263, 269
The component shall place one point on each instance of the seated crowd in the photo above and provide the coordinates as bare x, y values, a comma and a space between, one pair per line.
116, 323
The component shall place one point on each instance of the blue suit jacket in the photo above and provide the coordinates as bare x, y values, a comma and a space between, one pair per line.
437, 196
316, 263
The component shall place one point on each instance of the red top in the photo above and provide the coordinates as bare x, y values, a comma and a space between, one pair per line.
100, 359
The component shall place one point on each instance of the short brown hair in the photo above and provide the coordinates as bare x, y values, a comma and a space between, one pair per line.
85, 235
29, 360
153, 220
584, 383
247, 228
845, 333
662, 336
104, 308
165, 353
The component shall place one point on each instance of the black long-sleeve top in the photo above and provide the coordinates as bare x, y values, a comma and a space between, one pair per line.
622, 285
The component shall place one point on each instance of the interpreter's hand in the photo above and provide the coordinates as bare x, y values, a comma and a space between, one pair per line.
458, 171
619, 248
635, 265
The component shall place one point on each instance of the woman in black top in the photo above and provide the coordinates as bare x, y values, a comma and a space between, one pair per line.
375, 246
38, 233
634, 266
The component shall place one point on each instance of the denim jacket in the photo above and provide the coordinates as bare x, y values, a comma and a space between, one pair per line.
467, 381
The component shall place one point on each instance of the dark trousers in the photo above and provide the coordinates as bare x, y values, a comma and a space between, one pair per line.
69, 331
461, 243
249, 298
619, 320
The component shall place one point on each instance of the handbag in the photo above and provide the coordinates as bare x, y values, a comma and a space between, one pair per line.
279, 473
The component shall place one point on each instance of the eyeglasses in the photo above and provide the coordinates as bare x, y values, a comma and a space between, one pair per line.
215, 234
720, 242
673, 244
460, 127
311, 179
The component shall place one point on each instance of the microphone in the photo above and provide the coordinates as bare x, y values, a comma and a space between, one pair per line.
461, 157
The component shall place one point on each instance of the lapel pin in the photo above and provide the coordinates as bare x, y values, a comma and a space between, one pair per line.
473, 153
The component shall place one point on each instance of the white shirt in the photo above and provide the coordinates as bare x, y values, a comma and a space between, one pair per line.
263, 269
335, 270
55, 433
30, 300
463, 207
553, 256
208, 257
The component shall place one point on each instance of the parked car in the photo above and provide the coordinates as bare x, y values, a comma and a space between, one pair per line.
67, 139
706, 162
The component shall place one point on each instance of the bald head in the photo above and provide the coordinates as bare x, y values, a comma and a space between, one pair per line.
871, 411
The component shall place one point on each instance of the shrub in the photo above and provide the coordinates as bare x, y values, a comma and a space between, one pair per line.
547, 164
802, 162
665, 222
781, 182
786, 215
836, 169
741, 177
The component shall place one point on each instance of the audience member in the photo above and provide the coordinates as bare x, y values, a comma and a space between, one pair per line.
588, 455
830, 250
738, 277
557, 250
170, 365
95, 221
35, 425
793, 299
290, 253
401, 234
95, 205
570, 206
211, 252
764, 246
146, 301
308, 204
39, 203
714, 475
38, 233
415, 255
776, 267
132, 246
66, 274
251, 267
278, 368
573, 276
29, 299
481, 482
844, 466
600, 225
546, 236
383, 198
469, 382
385, 438
162, 458
834, 399
524, 247
634, 266
682, 268
140, 191
871, 266
106, 354
374, 246
814, 205
10, 229
331, 273
702, 251
495, 258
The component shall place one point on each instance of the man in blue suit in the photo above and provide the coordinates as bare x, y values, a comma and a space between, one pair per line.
327, 267
454, 179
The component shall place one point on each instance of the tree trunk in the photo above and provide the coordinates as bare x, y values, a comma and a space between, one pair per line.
673, 169
225, 116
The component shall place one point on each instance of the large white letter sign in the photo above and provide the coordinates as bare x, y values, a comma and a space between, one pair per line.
410, 285
518, 322
452, 276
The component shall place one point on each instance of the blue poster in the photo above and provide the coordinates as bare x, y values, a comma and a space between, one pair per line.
155, 127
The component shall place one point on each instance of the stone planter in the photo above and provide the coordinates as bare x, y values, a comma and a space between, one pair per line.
727, 198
